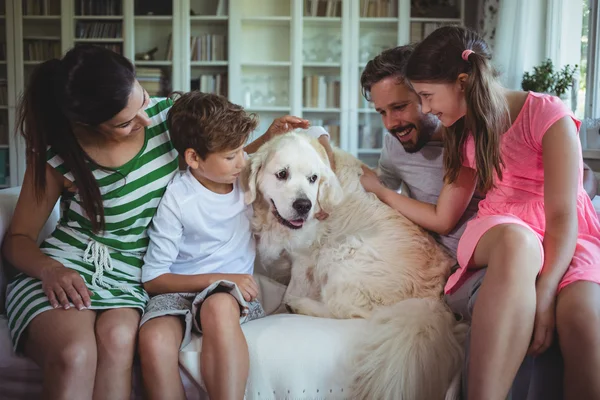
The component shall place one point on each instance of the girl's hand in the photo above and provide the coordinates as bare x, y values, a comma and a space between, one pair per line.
370, 180
545, 314
285, 124
61, 284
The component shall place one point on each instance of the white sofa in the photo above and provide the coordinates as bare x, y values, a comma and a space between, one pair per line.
291, 356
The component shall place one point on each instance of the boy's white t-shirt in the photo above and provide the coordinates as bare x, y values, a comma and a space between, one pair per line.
197, 231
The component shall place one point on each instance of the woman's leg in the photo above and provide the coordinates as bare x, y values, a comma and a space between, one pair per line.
224, 358
504, 312
63, 344
578, 324
116, 332
159, 343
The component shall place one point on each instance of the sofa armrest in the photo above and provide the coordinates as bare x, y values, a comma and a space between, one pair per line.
8, 201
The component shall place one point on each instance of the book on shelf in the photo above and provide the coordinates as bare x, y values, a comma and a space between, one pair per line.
378, 8
150, 79
210, 83
41, 7
3, 93
321, 91
41, 49
208, 47
97, 30
322, 8
98, 7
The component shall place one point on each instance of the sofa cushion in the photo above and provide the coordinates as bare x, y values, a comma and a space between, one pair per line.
291, 356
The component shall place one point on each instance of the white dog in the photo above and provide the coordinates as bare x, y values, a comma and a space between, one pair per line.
364, 261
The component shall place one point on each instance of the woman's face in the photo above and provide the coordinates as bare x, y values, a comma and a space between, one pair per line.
131, 119
444, 100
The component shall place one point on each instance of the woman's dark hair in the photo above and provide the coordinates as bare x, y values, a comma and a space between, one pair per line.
88, 86
439, 58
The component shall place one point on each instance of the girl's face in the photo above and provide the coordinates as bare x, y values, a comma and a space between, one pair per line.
444, 100
131, 119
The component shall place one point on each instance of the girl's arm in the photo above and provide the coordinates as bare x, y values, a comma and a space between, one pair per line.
561, 162
441, 217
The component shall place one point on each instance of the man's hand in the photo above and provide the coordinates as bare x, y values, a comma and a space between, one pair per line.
370, 181
285, 124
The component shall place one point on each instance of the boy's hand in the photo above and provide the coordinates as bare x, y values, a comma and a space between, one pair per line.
285, 124
246, 283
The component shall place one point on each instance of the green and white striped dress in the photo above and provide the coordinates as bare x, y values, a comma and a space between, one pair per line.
110, 262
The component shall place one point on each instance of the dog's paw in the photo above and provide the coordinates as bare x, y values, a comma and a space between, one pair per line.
307, 306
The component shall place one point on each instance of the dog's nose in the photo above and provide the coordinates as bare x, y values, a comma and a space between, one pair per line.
302, 205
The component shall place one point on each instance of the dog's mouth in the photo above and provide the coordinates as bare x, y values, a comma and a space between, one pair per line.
292, 224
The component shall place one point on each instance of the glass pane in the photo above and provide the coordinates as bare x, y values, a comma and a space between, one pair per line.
580, 110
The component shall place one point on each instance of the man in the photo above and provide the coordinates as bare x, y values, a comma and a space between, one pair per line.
413, 154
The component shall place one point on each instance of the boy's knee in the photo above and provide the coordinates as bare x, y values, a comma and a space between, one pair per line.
218, 308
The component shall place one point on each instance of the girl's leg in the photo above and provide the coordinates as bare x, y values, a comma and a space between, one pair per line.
116, 332
578, 324
160, 339
504, 311
224, 358
63, 344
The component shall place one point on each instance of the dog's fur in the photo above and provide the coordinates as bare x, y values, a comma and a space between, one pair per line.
364, 261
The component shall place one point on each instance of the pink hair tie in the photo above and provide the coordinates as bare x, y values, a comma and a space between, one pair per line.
466, 54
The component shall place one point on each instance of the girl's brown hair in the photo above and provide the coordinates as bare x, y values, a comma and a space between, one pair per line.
438, 58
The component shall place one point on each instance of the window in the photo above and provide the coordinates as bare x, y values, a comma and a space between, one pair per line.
588, 96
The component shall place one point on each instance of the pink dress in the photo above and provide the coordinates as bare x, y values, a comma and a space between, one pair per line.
519, 197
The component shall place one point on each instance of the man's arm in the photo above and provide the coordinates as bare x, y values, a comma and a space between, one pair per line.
385, 170
590, 183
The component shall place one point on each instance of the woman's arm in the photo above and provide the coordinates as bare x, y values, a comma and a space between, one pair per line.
590, 183
62, 285
561, 161
279, 126
20, 243
441, 217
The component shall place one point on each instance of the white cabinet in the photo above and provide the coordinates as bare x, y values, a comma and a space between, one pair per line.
274, 57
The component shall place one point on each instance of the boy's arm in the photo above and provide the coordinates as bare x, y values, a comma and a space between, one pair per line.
165, 233
278, 127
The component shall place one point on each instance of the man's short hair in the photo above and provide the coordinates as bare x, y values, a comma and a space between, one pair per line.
391, 62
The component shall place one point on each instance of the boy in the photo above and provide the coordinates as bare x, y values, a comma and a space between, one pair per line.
200, 259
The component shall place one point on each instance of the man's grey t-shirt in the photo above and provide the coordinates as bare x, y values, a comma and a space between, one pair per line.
423, 173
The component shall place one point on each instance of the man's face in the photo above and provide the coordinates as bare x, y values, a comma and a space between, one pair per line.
400, 110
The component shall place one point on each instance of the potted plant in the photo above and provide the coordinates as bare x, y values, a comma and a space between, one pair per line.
545, 79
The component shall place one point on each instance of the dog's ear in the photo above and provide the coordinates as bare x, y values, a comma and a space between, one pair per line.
330, 191
249, 177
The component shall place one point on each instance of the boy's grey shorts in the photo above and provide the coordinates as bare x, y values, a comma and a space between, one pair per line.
187, 306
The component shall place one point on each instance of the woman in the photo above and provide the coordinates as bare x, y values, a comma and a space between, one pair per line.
96, 138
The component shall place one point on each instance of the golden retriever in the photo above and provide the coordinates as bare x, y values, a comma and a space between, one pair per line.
364, 261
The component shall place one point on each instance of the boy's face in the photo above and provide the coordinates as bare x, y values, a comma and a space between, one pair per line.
222, 167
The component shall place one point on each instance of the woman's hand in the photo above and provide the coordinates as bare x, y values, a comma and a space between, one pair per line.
285, 124
545, 322
61, 284
370, 181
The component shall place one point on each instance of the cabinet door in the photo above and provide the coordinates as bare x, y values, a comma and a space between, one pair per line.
323, 64
261, 70
149, 44
207, 46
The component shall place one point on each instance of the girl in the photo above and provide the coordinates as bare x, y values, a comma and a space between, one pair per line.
94, 137
536, 230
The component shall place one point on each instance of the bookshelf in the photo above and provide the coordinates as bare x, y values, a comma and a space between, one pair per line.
274, 57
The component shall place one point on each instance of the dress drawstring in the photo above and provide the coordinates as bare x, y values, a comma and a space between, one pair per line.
98, 255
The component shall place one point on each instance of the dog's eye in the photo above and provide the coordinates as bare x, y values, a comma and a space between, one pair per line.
313, 179
282, 175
